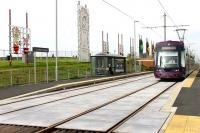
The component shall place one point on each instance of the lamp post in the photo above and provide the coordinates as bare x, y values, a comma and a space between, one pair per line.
135, 21
56, 68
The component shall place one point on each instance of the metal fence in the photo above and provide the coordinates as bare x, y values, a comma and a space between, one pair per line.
23, 76
4, 53
26, 76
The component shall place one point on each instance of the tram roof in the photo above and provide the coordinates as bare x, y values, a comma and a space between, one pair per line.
170, 43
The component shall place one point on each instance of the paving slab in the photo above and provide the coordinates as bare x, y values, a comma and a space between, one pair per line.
120, 109
150, 119
56, 111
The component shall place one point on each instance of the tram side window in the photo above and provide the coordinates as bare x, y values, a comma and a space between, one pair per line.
155, 57
183, 58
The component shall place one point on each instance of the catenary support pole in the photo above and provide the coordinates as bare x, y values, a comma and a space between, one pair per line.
56, 68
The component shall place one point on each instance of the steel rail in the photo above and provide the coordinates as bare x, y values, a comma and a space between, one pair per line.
53, 126
72, 89
64, 98
117, 125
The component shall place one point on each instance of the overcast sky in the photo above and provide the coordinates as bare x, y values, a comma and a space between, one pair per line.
102, 17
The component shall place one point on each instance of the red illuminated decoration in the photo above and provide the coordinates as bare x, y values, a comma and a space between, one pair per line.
16, 48
25, 50
26, 43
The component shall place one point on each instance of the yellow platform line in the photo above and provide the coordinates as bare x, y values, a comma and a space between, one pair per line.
187, 83
192, 125
177, 124
184, 124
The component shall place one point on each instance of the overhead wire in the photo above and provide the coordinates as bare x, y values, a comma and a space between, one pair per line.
169, 16
151, 29
131, 17
175, 24
119, 10
167, 13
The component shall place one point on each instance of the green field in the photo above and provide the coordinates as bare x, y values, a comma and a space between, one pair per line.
20, 73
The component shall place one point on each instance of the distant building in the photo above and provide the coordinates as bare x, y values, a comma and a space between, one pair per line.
83, 33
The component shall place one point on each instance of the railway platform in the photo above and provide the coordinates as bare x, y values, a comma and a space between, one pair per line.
186, 118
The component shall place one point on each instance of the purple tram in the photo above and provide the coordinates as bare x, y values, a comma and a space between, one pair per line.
171, 60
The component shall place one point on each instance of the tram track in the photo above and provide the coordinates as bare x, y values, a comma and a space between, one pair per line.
112, 129
119, 123
29, 129
53, 128
69, 89
59, 99
57, 128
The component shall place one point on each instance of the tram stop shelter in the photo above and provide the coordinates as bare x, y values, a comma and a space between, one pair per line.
108, 64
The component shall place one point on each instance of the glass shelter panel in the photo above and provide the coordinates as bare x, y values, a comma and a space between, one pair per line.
100, 65
93, 63
119, 65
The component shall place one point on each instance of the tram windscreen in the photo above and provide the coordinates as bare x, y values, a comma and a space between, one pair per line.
167, 59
